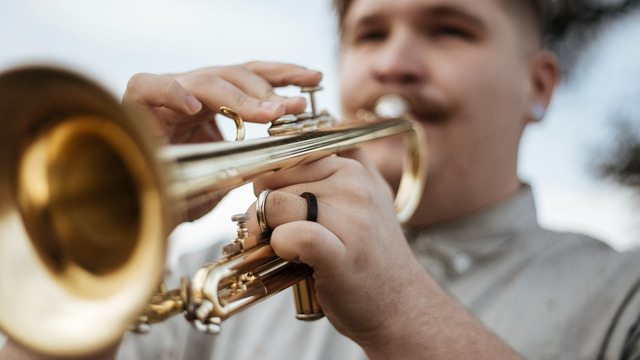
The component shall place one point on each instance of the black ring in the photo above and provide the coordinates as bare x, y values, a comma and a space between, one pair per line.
312, 205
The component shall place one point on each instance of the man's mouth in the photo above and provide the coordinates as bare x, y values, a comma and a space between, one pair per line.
427, 110
422, 109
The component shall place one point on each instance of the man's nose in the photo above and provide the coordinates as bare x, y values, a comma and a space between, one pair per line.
400, 59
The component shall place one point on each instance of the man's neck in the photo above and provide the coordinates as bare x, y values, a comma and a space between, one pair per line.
438, 206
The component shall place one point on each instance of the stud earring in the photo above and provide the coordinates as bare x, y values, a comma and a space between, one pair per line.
538, 110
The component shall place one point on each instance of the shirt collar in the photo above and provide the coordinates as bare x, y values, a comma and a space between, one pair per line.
460, 243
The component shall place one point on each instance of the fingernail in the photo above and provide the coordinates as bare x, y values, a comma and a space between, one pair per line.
299, 99
193, 104
273, 106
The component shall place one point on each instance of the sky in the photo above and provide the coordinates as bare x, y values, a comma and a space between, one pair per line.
110, 40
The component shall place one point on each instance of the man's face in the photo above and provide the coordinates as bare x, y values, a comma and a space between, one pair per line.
463, 66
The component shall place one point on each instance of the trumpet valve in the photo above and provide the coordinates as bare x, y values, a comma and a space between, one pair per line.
311, 90
306, 121
243, 233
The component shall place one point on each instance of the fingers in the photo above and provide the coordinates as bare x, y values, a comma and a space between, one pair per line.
343, 188
161, 91
301, 174
279, 74
245, 92
292, 237
296, 179
258, 79
360, 156
249, 89
281, 207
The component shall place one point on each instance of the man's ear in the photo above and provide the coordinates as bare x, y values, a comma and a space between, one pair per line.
545, 75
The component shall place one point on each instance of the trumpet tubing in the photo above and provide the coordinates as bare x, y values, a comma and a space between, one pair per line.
88, 198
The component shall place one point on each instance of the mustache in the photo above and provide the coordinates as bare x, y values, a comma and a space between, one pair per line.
421, 107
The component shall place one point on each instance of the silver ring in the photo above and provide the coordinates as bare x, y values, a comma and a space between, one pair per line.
260, 212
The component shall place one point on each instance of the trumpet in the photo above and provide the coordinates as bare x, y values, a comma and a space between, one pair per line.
88, 199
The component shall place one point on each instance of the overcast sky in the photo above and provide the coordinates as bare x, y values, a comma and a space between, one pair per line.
110, 40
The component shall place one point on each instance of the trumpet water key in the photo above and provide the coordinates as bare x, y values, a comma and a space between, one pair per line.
88, 198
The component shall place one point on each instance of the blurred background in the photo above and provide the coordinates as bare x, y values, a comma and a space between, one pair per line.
110, 40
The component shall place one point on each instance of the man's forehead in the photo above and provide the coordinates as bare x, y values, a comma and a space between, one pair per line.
363, 9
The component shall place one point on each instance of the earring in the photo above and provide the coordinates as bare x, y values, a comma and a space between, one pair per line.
538, 110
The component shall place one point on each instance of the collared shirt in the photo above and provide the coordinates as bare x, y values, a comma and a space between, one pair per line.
549, 295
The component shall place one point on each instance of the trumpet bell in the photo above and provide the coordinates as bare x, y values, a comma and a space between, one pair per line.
64, 260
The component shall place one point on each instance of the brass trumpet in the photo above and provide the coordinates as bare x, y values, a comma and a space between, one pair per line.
88, 198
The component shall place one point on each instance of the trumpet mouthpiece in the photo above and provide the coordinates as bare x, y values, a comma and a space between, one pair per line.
391, 106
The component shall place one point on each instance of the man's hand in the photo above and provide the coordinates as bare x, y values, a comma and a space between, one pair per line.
357, 249
184, 105
368, 282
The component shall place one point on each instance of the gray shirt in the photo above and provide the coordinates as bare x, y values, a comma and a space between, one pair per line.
549, 295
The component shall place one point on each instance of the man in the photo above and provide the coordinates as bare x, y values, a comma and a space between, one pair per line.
475, 74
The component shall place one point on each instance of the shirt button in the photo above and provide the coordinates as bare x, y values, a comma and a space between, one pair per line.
461, 262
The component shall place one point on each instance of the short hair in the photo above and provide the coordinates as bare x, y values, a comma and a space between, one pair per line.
622, 162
